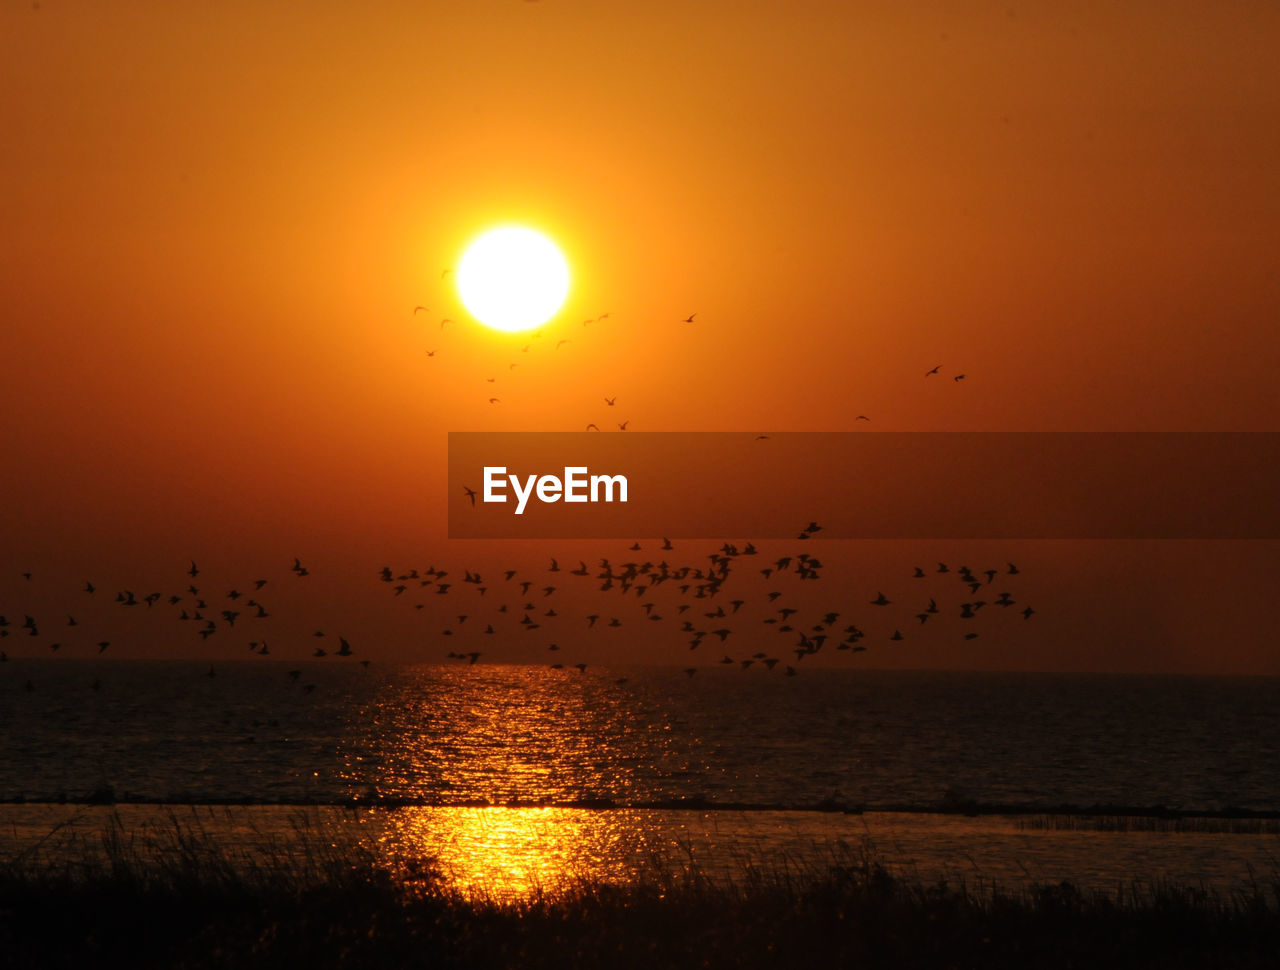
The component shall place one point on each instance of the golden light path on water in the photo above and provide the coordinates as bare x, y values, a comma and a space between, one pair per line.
520, 736
523, 734
529, 734
512, 852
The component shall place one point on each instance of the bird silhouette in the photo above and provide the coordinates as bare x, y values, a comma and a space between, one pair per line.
689, 318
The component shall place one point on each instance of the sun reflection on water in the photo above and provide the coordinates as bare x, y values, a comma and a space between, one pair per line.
515, 852
511, 735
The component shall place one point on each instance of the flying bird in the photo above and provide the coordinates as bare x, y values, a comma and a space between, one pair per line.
934, 371
689, 318
471, 494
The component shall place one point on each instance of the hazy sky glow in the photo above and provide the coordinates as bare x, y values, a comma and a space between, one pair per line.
217, 222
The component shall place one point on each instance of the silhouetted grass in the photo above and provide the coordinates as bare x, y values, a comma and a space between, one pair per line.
181, 900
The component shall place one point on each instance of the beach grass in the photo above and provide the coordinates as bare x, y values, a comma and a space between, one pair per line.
179, 898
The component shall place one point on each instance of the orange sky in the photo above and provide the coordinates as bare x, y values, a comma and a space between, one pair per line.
217, 222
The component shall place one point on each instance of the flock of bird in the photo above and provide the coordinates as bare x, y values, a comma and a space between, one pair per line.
727, 597
731, 606
732, 594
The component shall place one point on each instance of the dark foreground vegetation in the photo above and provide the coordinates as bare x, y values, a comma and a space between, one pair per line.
195, 905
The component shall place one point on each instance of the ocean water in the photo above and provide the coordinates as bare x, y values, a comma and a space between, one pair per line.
517, 776
465, 735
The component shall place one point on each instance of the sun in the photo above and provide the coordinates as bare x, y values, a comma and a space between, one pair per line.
512, 278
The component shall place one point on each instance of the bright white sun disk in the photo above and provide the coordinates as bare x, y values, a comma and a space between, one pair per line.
513, 278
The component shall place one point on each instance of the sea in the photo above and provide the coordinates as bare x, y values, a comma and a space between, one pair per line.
512, 779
